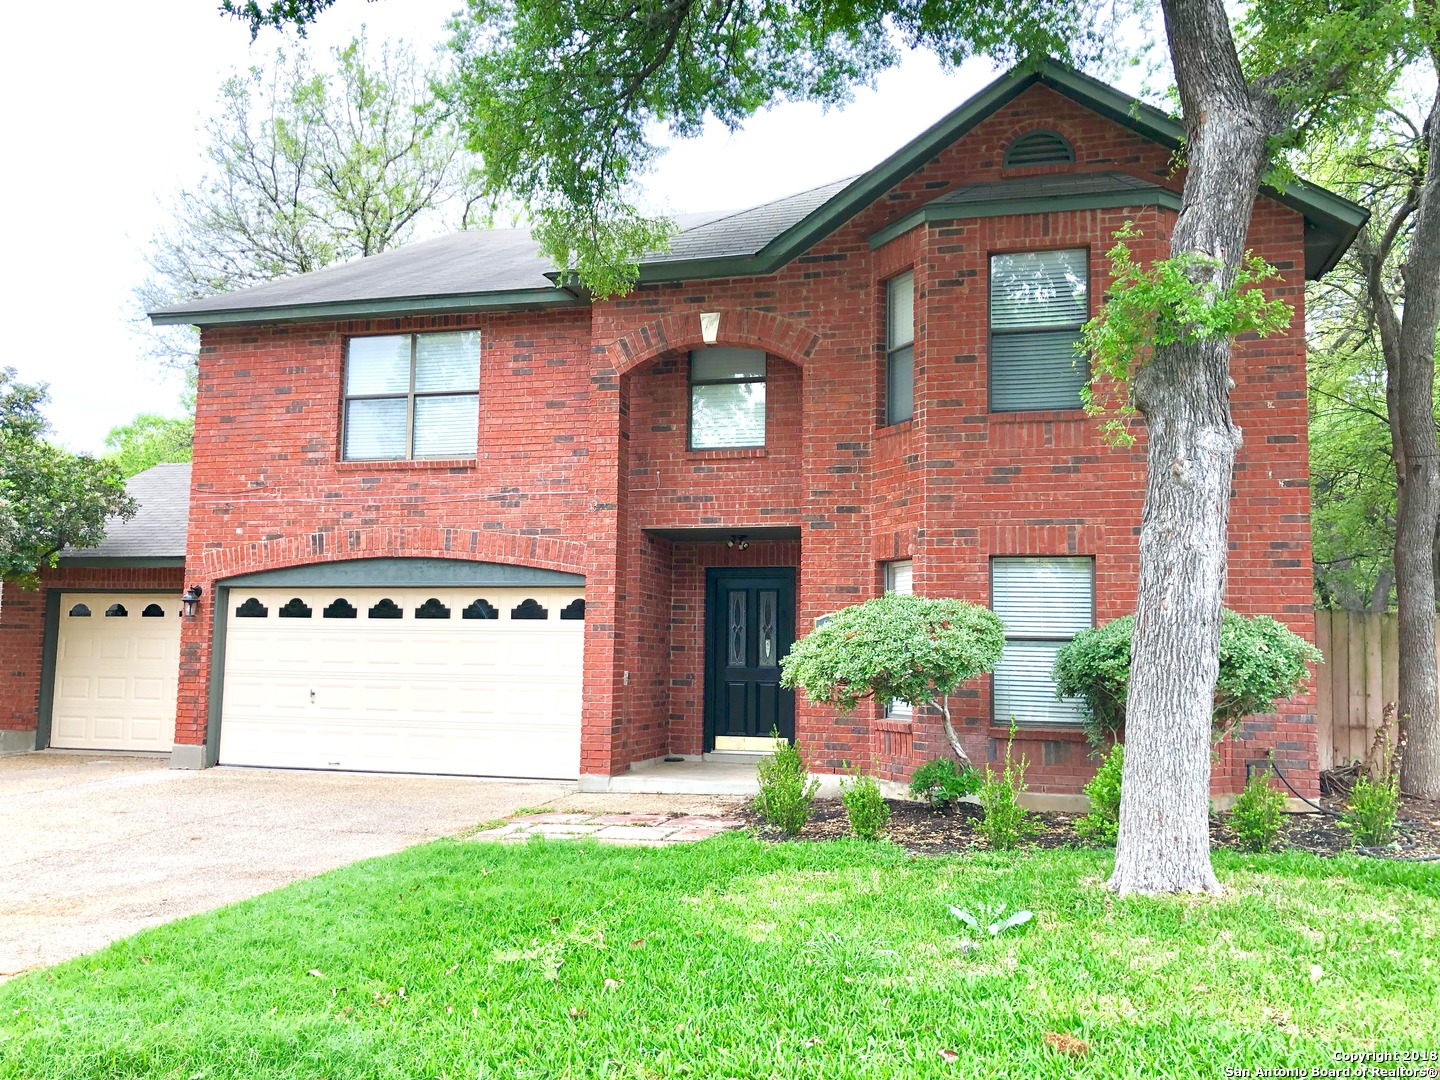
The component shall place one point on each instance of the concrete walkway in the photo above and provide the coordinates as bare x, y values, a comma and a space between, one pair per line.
93, 848
652, 830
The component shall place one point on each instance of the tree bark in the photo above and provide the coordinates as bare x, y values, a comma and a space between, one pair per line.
944, 707
1184, 394
1417, 468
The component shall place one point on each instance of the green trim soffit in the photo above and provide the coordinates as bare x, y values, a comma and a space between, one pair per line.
371, 309
1043, 204
400, 572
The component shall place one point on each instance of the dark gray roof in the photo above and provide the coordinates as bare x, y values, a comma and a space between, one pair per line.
746, 231
157, 531
501, 268
483, 268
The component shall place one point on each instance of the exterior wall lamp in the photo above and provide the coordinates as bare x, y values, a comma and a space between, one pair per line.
738, 541
191, 599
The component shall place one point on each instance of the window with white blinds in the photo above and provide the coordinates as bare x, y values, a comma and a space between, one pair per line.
900, 579
412, 396
1043, 603
1039, 300
727, 398
900, 348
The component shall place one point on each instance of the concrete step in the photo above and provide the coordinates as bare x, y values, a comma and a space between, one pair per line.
736, 757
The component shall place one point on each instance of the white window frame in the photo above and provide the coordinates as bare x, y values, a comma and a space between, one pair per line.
900, 284
409, 396
900, 710
1060, 634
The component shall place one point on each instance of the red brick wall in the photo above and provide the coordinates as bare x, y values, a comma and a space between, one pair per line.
22, 629
583, 450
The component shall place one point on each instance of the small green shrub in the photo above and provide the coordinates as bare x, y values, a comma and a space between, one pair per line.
786, 789
941, 782
1006, 822
1257, 814
865, 807
1102, 824
1261, 662
1370, 812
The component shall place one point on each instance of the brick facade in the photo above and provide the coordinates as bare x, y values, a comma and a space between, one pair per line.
583, 458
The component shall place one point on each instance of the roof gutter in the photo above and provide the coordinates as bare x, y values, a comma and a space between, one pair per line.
398, 307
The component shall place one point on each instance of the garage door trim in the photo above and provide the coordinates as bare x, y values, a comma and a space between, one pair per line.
418, 572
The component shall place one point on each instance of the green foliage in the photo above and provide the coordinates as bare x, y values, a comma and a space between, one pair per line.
308, 163
865, 807
1006, 823
568, 103
894, 648
1102, 823
1262, 662
941, 782
150, 439
1371, 810
49, 497
786, 790
1172, 300
1257, 814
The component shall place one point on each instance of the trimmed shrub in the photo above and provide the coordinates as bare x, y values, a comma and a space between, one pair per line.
1257, 814
1262, 662
1102, 824
786, 789
1371, 810
942, 782
865, 807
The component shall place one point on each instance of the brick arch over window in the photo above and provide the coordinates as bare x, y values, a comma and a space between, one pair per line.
739, 328
469, 545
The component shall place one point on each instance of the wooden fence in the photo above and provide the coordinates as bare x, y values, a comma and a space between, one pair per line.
1360, 675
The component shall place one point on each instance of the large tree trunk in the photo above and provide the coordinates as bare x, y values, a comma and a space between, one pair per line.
1184, 394
1417, 464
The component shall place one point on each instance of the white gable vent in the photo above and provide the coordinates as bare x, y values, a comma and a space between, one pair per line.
1039, 148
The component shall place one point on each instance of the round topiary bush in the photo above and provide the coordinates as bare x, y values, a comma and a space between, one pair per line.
913, 649
1262, 662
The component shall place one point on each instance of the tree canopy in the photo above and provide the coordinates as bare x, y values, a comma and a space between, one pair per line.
310, 163
150, 439
49, 498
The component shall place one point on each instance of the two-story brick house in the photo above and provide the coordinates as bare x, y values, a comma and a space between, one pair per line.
446, 516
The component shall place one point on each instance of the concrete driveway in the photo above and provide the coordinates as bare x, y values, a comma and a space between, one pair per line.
93, 848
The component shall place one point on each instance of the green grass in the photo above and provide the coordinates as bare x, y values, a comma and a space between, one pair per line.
734, 958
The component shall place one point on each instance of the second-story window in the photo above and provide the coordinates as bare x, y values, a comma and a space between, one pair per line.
727, 398
412, 396
900, 348
1039, 300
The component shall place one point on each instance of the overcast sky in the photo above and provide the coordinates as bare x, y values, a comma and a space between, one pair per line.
103, 107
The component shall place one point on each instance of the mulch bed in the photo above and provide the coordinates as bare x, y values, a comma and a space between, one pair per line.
917, 828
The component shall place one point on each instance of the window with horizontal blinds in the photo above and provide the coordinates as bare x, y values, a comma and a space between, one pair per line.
900, 348
727, 398
412, 396
1039, 300
1043, 603
900, 579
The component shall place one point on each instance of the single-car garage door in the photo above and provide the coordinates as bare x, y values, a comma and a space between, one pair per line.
117, 662
472, 681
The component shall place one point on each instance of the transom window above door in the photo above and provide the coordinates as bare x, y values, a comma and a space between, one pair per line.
412, 396
727, 398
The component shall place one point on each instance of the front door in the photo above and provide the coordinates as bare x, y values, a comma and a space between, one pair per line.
750, 625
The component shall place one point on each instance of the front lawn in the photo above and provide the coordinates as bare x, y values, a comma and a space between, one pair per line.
735, 958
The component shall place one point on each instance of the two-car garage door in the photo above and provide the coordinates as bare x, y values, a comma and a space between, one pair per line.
473, 681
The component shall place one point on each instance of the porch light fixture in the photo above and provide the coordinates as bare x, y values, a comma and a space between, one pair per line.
191, 599
738, 541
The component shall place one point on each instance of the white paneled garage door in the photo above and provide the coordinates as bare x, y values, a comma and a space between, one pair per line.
117, 663
471, 681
